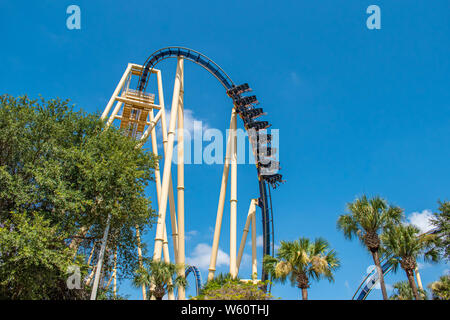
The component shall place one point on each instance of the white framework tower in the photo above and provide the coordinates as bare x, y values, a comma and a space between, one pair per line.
135, 111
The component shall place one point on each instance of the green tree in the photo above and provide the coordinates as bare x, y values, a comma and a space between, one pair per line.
405, 245
441, 288
365, 220
441, 220
224, 287
63, 166
403, 291
302, 260
159, 277
34, 260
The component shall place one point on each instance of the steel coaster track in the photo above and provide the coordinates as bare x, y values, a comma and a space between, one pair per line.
186, 53
243, 105
197, 276
363, 291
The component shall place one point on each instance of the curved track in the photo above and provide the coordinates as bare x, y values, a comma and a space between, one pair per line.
245, 106
371, 279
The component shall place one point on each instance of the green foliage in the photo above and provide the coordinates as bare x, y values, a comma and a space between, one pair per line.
403, 291
302, 260
402, 242
224, 287
163, 276
441, 220
441, 288
368, 217
65, 168
34, 260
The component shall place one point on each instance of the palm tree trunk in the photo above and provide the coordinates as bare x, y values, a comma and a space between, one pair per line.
412, 283
304, 294
376, 260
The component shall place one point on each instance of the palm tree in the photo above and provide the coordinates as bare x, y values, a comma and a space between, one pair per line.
302, 260
405, 245
441, 220
441, 288
367, 218
403, 291
160, 277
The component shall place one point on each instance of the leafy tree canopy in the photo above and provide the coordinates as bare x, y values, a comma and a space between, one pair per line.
61, 173
441, 288
224, 287
441, 220
403, 291
159, 277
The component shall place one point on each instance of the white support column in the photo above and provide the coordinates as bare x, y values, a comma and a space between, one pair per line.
158, 184
254, 261
219, 215
180, 185
233, 199
115, 275
100, 259
158, 189
116, 92
251, 210
138, 238
151, 127
173, 214
159, 238
166, 256
418, 278
114, 113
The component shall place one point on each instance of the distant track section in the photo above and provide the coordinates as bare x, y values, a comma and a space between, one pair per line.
197, 276
188, 54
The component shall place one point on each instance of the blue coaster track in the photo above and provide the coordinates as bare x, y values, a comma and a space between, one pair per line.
245, 107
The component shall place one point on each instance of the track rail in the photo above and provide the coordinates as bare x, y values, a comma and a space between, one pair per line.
245, 107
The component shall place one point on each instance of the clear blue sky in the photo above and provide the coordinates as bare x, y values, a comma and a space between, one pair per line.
359, 111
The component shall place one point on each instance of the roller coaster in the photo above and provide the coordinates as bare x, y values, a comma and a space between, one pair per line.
137, 117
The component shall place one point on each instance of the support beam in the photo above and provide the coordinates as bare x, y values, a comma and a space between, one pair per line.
138, 238
117, 91
158, 185
219, 215
151, 127
254, 261
233, 199
100, 259
418, 278
114, 114
158, 193
114, 272
251, 212
166, 256
180, 186
173, 214
91, 254
115, 275
167, 164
